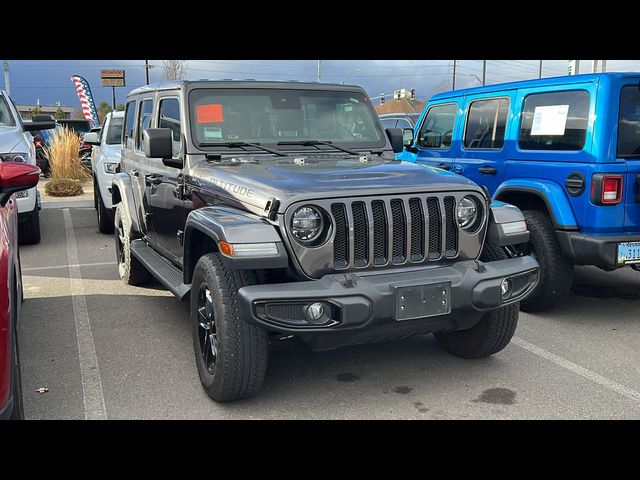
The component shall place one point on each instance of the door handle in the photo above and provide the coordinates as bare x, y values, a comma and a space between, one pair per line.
135, 172
443, 166
488, 170
153, 180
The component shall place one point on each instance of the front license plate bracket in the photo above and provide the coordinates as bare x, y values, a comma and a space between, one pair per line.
421, 301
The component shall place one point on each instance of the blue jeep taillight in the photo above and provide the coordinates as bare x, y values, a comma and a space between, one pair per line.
606, 189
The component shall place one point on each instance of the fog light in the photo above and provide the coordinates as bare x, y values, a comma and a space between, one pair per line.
505, 286
315, 313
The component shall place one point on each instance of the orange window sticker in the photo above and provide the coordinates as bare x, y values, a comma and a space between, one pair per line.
209, 113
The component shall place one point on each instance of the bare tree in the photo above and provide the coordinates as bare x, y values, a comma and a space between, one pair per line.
174, 69
443, 86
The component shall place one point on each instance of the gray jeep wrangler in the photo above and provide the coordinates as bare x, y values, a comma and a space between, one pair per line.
279, 209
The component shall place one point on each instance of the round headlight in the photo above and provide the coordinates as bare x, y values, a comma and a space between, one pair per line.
466, 213
306, 224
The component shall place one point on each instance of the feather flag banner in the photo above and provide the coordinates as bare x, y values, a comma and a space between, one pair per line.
86, 99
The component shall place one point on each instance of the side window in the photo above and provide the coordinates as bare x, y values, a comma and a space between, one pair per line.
388, 123
144, 121
629, 122
129, 120
404, 123
437, 128
169, 117
486, 123
554, 121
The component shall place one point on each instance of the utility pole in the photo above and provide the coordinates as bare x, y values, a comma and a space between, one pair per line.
319, 70
146, 73
7, 86
484, 72
574, 67
540, 70
454, 75
113, 92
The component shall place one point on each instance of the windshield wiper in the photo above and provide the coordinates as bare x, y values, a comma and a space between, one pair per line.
306, 143
243, 144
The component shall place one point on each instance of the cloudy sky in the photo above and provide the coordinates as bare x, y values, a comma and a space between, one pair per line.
49, 81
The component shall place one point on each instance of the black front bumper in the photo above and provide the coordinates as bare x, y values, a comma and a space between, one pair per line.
598, 250
366, 307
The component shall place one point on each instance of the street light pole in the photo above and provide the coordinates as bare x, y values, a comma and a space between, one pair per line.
454, 75
7, 86
146, 70
484, 72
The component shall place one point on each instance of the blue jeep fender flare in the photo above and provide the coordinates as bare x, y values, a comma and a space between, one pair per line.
552, 194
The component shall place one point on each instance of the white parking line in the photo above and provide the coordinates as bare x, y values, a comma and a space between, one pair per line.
57, 267
94, 407
577, 369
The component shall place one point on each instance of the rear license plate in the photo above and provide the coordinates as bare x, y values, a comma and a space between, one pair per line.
629, 252
420, 301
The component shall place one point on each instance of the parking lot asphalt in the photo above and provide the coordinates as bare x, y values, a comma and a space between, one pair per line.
107, 350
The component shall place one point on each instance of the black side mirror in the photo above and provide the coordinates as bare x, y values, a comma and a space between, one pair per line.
395, 137
158, 144
40, 122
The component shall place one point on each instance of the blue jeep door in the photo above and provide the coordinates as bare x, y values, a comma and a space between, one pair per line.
482, 154
436, 134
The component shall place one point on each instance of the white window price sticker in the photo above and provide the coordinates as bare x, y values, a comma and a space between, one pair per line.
549, 120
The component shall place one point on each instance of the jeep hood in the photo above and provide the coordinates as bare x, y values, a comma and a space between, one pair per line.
260, 181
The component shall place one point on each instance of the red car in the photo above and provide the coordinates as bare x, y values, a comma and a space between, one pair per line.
13, 177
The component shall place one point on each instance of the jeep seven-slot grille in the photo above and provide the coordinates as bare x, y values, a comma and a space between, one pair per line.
340, 243
393, 231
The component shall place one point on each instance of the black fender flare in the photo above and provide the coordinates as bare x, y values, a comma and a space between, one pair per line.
235, 227
501, 214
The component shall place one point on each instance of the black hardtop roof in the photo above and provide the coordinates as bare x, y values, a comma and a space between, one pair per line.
227, 83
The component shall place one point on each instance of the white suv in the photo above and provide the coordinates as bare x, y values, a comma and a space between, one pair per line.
16, 145
105, 158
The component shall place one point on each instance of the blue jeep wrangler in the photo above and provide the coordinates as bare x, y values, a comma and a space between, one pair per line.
565, 150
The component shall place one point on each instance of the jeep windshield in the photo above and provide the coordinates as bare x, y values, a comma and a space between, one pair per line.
285, 119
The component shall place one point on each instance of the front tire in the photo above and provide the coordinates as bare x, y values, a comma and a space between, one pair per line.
131, 271
490, 335
556, 273
29, 230
231, 354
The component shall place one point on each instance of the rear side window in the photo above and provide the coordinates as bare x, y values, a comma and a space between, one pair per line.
129, 121
437, 128
144, 121
486, 123
169, 117
389, 123
554, 121
404, 123
629, 122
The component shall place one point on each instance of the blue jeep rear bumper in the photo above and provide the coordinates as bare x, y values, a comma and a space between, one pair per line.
598, 250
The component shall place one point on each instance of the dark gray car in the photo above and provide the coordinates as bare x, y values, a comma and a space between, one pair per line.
278, 209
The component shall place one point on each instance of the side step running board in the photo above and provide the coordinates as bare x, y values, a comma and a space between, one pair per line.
164, 271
